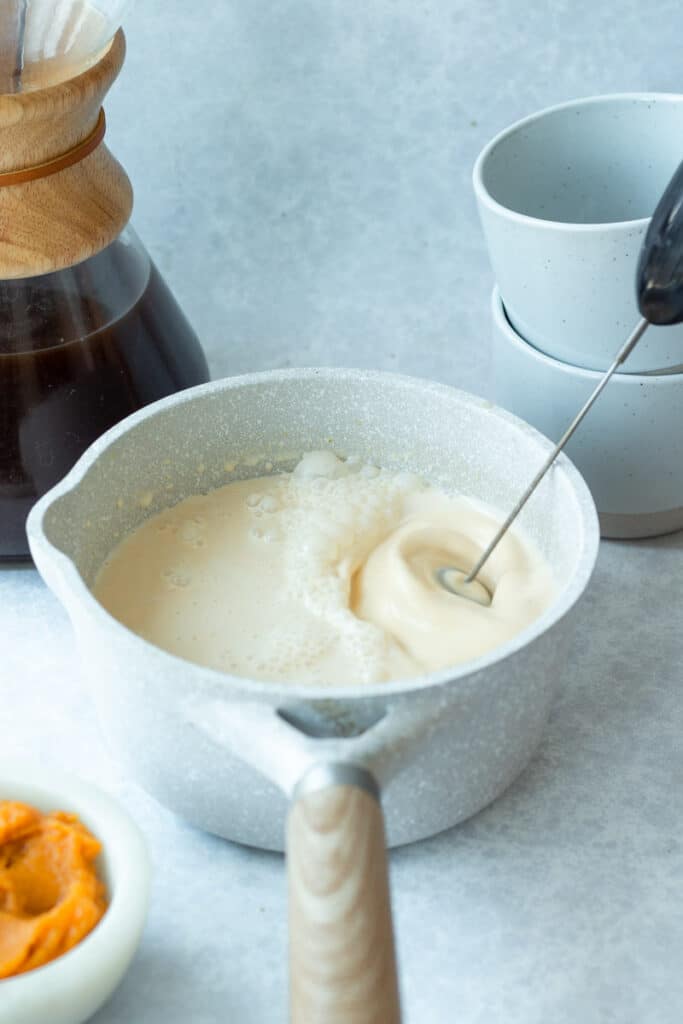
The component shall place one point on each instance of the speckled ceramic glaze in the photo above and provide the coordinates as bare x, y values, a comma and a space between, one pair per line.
565, 197
630, 446
224, 752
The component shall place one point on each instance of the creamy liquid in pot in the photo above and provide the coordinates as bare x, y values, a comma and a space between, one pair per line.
322, 576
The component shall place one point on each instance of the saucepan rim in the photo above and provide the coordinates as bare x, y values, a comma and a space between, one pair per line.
176, 667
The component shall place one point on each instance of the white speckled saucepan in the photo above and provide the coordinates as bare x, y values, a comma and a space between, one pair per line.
231, 755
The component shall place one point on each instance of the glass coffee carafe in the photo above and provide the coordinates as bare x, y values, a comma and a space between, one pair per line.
89, 332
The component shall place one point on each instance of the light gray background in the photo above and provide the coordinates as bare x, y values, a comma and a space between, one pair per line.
302, 174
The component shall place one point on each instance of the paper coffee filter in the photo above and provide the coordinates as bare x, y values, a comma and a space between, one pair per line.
46, 41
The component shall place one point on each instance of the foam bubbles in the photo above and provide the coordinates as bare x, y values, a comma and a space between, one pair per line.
191, 532
320, 464
278, 597
177, 579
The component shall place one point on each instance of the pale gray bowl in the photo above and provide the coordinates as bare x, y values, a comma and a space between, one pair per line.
565, 197
630, 445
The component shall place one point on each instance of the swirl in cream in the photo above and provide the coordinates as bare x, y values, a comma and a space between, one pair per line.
325, 576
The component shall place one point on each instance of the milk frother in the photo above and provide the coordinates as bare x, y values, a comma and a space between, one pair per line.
659, 291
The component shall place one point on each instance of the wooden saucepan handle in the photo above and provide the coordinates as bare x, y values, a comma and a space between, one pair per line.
342, 958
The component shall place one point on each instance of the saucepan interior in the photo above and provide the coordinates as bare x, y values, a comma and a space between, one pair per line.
251, 425
261, 423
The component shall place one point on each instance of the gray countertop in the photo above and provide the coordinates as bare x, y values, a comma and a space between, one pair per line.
302, 175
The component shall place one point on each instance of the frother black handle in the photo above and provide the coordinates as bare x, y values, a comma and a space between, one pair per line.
659, 279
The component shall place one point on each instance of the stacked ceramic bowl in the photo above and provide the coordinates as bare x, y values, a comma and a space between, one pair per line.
565, 198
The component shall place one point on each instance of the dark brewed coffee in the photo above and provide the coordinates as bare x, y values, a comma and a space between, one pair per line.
69, 370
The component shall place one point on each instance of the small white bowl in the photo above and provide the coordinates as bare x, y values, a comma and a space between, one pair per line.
629, 448
71, 988
565, 198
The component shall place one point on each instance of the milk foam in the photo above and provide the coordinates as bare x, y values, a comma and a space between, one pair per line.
321, 576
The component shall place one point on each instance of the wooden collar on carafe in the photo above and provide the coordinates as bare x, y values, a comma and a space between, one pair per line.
63, 196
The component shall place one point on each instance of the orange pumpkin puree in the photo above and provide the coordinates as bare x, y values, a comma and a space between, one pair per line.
50, 895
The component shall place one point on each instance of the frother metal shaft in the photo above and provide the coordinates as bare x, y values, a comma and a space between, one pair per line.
620, 357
